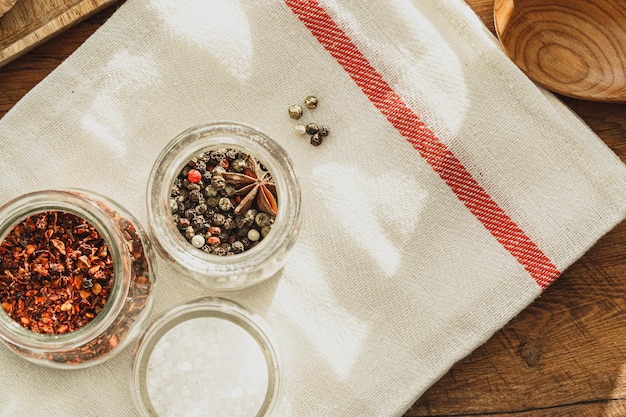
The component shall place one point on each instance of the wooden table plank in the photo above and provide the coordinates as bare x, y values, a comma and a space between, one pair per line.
31, 22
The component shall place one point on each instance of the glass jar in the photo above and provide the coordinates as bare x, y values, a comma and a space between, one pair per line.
207, 269
123, 312
209, 354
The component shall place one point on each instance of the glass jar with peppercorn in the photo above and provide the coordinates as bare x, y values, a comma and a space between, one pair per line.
224, 205
76, 277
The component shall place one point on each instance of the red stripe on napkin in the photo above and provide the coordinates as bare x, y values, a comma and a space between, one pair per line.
431, 148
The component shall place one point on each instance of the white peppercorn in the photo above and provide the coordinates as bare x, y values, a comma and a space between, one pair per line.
254, 235
300, 129
197, 241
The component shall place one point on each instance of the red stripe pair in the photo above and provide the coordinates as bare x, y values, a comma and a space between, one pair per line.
431, 148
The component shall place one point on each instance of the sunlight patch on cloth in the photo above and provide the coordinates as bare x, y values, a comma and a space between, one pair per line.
369, 208
409, 67
104, 120
339, 344
218, 26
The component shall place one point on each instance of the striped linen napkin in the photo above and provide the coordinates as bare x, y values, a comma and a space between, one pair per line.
450, 192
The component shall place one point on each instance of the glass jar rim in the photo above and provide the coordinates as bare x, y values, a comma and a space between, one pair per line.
85, 205
178, 153
206, 307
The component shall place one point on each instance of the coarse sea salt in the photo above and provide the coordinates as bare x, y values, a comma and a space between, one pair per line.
207, 367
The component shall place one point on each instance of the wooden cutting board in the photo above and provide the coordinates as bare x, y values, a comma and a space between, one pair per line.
31, 22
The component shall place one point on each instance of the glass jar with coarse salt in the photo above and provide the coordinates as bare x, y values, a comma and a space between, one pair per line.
223, 205
208, 357
76, 281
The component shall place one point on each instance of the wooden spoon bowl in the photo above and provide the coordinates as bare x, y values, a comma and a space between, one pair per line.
573, 47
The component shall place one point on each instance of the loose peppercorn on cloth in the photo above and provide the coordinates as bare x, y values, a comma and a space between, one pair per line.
449, 193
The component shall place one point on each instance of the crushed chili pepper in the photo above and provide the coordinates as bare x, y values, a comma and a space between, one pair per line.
136, 299
42, 261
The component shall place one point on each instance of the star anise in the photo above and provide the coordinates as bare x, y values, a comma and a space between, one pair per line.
253, 183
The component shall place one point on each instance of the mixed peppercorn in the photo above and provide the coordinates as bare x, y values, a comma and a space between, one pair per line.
224, 202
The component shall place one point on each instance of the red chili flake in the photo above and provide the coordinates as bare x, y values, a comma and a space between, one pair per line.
42, 260
194, 176
113, 342
60, 246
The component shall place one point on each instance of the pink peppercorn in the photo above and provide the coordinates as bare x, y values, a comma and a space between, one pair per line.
194, 176
213, 241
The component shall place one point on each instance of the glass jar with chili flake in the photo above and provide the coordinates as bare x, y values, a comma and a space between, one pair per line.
223, 204
76, 277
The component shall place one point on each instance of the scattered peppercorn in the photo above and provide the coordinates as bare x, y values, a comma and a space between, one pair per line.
317, 133
300, 129
316, 139
310, 102
311, 128
295, 112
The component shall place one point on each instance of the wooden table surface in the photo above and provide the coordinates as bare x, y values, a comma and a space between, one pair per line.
565, 355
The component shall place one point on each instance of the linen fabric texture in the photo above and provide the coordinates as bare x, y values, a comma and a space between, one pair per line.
393, 279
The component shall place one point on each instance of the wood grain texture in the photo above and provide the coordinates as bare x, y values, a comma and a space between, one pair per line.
5, 6
565, 355
576, 48
31, 22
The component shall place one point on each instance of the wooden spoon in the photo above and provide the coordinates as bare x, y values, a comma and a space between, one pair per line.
5, 5
573, 47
